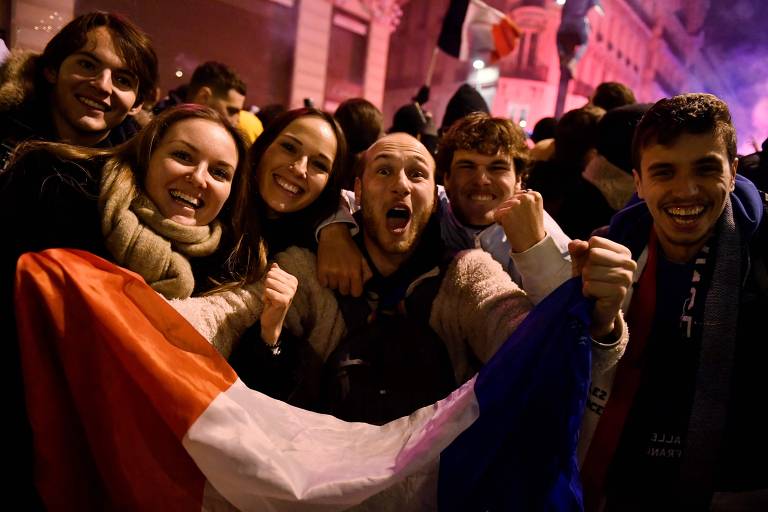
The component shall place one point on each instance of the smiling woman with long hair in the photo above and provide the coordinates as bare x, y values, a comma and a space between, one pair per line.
295, 182
153, 205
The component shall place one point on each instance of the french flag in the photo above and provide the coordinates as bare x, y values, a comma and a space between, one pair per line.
473, 29
132, 409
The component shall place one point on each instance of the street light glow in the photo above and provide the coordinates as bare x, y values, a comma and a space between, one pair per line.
478, 64
560, 2
523, 123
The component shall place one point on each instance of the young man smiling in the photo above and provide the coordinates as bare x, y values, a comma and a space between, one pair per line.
679, 423
91, 77
483, 160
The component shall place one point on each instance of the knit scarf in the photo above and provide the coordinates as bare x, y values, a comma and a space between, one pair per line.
141, 239
711, 315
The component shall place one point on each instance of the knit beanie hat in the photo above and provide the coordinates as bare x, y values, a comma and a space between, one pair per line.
615, 131
465, 101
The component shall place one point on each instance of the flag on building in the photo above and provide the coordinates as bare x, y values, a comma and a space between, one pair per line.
132, 409
473, 29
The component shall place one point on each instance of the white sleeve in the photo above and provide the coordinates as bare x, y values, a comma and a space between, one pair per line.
546, 265
347, 206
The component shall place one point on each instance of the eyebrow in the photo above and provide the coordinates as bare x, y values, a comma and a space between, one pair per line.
193, 148
707, 160
387, 155
300, 143
90, 55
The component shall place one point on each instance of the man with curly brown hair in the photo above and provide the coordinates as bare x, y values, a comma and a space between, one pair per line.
483, 160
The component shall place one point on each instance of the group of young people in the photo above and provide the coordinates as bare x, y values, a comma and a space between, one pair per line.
228, 233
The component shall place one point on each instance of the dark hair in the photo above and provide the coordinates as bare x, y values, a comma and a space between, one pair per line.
609, 95
575, 135
269, 113
131, 44
486, 135
361, 122
694, 113
251, 209
544, 129
219, 77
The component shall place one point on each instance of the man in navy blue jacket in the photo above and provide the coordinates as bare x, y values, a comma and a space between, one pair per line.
679, 423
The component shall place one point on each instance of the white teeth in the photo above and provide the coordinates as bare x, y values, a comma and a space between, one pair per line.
685, 211
193, 201
481, 197
290, 187
93, 104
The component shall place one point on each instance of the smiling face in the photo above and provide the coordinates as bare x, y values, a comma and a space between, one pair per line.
93, 91
296, 167
190, 173
477, 184
397, 196
685, 186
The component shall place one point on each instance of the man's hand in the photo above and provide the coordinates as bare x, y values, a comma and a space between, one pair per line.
606, 269
340, 264
522, 217
279, 290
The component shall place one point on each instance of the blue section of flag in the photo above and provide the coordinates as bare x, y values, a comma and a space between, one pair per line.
520, 454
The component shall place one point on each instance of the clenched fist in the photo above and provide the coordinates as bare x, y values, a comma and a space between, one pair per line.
522, 217
279, 289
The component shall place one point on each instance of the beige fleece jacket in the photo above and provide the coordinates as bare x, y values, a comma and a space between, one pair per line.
476, 309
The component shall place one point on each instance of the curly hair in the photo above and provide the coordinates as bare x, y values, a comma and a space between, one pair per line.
483, 134
693, 113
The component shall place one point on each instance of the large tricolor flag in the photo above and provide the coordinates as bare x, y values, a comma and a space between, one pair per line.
473, 29
132, 409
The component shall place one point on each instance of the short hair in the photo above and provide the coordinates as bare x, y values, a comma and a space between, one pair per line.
575, 135
361, 122
544, 129
131, 44
219, 77
609, 95
693, 113
484, 134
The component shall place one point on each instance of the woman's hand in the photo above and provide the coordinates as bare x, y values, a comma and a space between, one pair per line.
279, 290
340, 264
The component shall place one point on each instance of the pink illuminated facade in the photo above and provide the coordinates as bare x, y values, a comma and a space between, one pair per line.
653, 46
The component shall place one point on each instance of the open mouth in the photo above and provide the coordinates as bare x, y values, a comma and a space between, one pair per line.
287, 186
684, 215
97, 105
186, 199
398, 218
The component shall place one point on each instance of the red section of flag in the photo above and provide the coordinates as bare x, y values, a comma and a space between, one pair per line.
505, 36
113, 379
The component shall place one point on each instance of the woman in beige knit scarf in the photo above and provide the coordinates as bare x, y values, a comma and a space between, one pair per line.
163, 202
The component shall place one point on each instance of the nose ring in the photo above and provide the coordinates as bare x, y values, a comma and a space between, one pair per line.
188, 177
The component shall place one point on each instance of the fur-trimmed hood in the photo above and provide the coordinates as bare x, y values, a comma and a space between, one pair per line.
17, 79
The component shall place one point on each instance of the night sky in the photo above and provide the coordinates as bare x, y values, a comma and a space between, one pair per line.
736, 30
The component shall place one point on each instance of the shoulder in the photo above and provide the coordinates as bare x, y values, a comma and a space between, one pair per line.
470, 267
41, 172
17, 79
298, 261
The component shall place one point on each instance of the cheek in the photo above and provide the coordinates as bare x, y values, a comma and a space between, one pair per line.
319, 181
